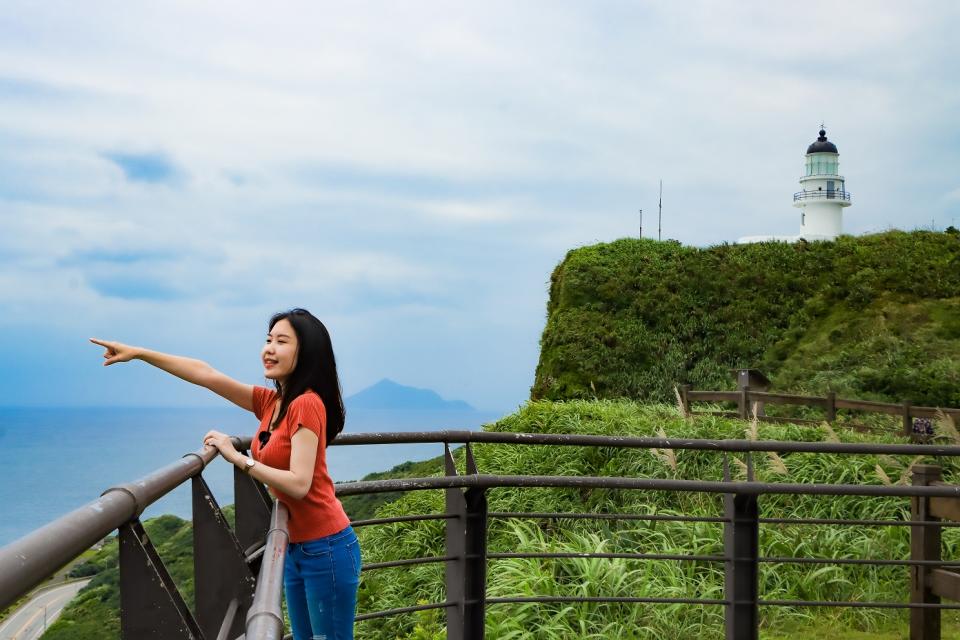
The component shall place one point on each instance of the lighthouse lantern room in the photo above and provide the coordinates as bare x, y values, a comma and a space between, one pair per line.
823, 196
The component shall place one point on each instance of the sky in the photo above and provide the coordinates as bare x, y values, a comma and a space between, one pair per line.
173, 173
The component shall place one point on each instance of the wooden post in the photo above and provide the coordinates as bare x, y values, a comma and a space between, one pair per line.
832, 407
907, 420
743, 403
685, 400
924, 545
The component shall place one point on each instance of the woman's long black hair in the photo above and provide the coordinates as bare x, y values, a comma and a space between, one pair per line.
316, 369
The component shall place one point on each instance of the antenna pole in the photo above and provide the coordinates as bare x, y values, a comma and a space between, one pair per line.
660, 211
641, 223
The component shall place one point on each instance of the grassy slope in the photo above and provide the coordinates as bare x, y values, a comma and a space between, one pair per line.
404, 586
869, 317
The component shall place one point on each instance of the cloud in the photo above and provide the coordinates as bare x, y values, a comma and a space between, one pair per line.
416, 170
151, 168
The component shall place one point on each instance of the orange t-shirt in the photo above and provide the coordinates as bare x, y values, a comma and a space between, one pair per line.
318, 513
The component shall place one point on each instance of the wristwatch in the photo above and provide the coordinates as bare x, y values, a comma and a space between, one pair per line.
248, 463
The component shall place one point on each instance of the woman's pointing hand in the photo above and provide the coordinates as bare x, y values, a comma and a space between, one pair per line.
115, 351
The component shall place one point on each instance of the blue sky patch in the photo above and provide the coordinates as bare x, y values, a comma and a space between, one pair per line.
133, 287
152, 168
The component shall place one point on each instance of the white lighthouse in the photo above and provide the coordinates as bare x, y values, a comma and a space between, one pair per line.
823, 196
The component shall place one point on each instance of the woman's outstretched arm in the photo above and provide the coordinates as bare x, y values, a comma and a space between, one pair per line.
190, 369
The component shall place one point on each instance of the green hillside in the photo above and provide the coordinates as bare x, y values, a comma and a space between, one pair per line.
364, 506
874, 317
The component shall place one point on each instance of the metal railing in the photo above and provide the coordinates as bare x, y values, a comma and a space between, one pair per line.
231, 603
829, 194
466, 517
229, 600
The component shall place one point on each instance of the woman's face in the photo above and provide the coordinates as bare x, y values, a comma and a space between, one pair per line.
279, 354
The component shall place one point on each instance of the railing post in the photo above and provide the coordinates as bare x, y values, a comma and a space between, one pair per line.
685, 400
150, 605
466, 545
831, 406
740, 542
743, 403
253, 506
221, 575
924, 545
907, 420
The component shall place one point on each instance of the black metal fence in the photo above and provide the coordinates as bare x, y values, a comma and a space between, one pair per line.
466, 518
232, 603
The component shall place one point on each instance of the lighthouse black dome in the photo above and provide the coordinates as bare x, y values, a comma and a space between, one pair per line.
822, 145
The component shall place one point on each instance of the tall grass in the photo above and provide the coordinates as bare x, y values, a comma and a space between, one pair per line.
600, 577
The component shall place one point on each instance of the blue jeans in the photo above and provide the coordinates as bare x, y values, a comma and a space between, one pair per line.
320, 579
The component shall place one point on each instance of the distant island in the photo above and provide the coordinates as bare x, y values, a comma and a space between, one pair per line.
388, 394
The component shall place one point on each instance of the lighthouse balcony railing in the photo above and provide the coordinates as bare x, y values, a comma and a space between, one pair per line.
828, 194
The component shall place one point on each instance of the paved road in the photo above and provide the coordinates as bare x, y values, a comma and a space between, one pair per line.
27, 623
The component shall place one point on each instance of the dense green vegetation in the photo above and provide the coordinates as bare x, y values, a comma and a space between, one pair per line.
873, 317
404, 586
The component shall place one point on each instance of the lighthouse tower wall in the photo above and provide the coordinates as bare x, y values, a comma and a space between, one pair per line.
821, 220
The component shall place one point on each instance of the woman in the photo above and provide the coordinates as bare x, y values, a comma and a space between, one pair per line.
297, 422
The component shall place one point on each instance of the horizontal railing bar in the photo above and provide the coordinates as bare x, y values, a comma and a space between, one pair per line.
373, 566
393, 612
832, 194
866, 561
787, 398
869, 405
373, 521
632, 442
845, 521
250, 557
713, 396
785, 419
662, 556
603, 516
623, 599
608, 556
650, 484
866, 605
28, 561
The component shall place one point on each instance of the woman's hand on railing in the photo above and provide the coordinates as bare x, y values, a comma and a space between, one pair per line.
224, 445
115, 351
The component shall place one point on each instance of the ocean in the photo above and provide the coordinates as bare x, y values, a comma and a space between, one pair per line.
57, 459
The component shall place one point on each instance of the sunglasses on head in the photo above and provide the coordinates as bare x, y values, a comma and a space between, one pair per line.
264, 438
